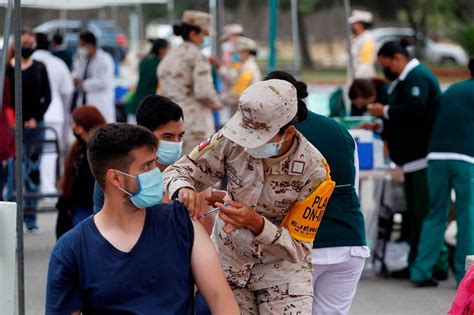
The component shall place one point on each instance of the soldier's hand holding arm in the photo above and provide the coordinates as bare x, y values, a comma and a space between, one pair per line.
241, 216
191, 199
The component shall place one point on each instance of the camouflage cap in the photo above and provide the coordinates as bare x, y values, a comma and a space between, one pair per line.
263, 109
232, 29
245, 44
198, 18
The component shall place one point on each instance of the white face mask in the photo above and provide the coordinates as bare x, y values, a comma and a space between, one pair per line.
82, 51
266, 150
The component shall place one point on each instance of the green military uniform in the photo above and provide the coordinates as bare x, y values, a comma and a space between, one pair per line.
343, 223
451, 165
413, 102
147, 82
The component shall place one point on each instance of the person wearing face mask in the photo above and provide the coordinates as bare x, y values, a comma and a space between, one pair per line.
165, 119
363, 46
248, 73
409, 116
340, 248
77, 185
93, 73
137, 255
272, 170
36, 96
185, 78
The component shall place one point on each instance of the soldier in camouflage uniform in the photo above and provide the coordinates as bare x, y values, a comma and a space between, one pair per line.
269, 166
185, 78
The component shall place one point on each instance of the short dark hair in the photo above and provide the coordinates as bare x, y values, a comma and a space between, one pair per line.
185, 29
42, 41
88, 37
471, 66
110, 147
58, 39
156, 110
301, 94
157, 45
362, 88
390, 49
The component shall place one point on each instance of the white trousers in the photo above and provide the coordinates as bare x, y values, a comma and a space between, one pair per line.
335, 286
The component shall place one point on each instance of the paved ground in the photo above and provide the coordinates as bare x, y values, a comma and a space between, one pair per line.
374, 296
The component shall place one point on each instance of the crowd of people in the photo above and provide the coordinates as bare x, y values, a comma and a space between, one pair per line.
172, 213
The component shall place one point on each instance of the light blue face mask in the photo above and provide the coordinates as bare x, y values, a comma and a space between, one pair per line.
266, 150
206, 42
150, 189
169, 152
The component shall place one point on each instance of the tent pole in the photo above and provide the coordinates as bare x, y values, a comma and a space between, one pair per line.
19, 160
296, 38
170, 8
213, 10
347, 7
272, 33
6, 35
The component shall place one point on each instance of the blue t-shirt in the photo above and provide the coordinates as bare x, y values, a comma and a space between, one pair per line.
87, 273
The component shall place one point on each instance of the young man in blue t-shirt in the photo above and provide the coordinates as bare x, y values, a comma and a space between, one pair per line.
136, 256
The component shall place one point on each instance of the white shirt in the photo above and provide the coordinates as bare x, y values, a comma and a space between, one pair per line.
99, 84
61, 84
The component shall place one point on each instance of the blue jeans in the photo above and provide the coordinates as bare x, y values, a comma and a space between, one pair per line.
31, 173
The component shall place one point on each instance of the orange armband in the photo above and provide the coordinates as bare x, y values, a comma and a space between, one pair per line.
304, 217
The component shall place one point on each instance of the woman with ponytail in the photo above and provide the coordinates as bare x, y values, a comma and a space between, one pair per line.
340, 248
77, 186
185, 78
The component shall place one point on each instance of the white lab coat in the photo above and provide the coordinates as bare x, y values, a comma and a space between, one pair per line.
58, 114
99, 85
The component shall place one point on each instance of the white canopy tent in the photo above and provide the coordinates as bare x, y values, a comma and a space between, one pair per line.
79, 4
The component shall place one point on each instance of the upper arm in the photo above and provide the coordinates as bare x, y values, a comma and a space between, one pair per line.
205, 262
415, 95
62, 291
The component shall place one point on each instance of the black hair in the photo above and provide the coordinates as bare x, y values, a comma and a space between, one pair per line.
185, 29
390, 49
157, 45
471, 66
88, 37
110, 147
253, 53
58, 39
156, 110
301, 93
42, 41
362, 88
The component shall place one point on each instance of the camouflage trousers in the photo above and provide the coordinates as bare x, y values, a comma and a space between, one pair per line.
287, 299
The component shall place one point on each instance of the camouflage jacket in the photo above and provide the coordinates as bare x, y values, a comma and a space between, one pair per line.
185, 77
273, 257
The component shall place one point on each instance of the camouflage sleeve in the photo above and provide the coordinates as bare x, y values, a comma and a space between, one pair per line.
202, 168
277, 240
202, 78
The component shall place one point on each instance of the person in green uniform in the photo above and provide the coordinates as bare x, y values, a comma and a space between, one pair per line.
409, 115
59, 51
340, 248
147, 78
450, 166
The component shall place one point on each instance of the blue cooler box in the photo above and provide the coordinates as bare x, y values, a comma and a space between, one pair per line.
369, 148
